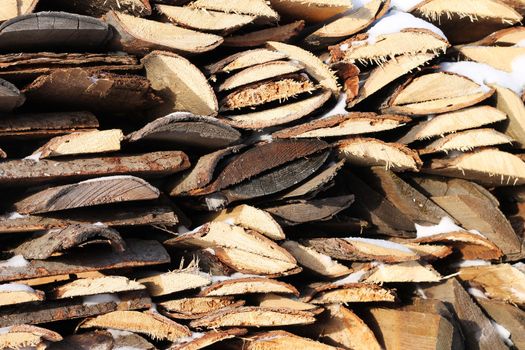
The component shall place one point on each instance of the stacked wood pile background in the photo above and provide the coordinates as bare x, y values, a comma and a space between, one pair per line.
250, 174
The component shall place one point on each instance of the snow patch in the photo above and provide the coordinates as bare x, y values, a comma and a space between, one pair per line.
100, 299
34, 157
446, 225
404, 5
339, 108
484, 74
354, 277
470, 263
477, 293
16, 287
117, 333
194, 336
357, 4
5, 330
99, 224
107, 178
13, 216
396, 21
235, 276
503, 333
381, 243
15, 261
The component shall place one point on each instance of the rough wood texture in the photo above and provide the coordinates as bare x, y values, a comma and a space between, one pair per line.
10, 96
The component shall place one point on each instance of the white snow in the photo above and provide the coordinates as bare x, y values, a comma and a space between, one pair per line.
194, 335
484, 74
404, 5
15, 261
470, 263
16, 287
381, 243
183, 230
117, 333
396, 21
210, 250
445, 225
35, 157
520, 43
503, 333
420, 292
344, 47
354, 277
339, 108
100, 224
477, 293
357, 4
99, 299
229, 221
153, 308
12, 216
107, 178
5, 330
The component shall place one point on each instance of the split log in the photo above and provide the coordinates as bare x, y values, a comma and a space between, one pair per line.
511, 104
81, 143
300, 212
436, 93
498, 57
79, 88
97, 8
285, 302
258, 8
49, 30
129, 339
58, 240
507, 316
353, 123
344, 293
469, 20
251, 316
137, 253
311, 10
504, 37
174, 281
185, 90
371, 152
467, 141
240, 285
188, 130
147, 322
139, 36
126, 215
10, 96
13, 9
476, 327
103, 190
94, 286
316, 262
196, 307
29, 126
446, 123
201, 340
21, 336
282, 340
260, 37
59, 310
250, 218
411, 271
244, 59
204, 20
84, 341
488, 167
16, 293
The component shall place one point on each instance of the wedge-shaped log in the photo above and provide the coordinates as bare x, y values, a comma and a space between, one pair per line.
187, 129
362, 249
282, 33
260, 93
204, 20
501, 282
10, 96
139, 36
311, 10
489, 167
508, 316
196, 307
69, 309
467, 141
471, 318
436, 93
96, 285
371, 152
349, 23
389, 71
341, 327
300, 212
202, 340
410, 271
36, 125
103, 190
398, 329
244, 59
239, 285
146, 322
279, 115
137, 253
500, 57
20, 336
250, 218
285, 302
16, 293
13, 9
79, 88
282, 340
504, 37
328, 293
319, 263
186, 89
353, 123
469, 20
313, 65
411, 41
446, 123
97, 8
129, 339
258, 8
86, 340
175, 281
81, 143
59, 240
53, 30
251, 316
508, 102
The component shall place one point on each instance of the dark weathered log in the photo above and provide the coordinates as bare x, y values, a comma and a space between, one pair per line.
97, 8
100, 340
10, 96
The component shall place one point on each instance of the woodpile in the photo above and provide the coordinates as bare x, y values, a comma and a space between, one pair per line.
251, 174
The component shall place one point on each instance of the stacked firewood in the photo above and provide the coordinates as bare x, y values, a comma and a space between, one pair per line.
251, 174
